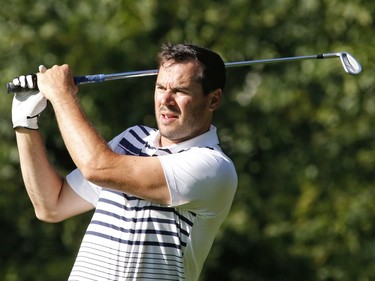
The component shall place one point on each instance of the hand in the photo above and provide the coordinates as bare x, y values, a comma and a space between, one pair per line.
57, 83
28, 104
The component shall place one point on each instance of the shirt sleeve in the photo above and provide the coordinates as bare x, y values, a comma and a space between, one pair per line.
87, 190
200, 179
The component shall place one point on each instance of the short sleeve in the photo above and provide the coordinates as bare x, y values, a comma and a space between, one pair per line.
85, 189
200, 179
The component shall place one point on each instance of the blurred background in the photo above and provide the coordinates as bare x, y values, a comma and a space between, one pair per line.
301, 134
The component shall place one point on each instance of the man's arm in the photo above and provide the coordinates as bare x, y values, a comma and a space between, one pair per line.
140, 176
52, 197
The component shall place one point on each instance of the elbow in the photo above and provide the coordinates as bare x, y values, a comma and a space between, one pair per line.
47, 216
95, 170
91, 174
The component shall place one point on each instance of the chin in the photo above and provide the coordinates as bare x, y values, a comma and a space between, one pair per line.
170, 134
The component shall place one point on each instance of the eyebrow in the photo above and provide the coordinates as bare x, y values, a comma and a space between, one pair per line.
177, 88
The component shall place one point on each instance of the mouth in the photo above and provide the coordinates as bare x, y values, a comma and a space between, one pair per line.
168, 117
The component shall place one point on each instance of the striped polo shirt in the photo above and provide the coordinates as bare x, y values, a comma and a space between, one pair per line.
129, 238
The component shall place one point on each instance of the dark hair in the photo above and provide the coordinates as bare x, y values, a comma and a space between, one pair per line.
213, 74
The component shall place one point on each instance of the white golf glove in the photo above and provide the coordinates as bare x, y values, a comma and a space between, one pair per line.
28, 103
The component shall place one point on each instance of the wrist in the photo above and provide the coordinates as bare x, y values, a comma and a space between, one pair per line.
28, 123
24, 130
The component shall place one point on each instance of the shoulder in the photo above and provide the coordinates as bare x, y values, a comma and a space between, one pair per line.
212, 154
207, 166
201, 179
211, 158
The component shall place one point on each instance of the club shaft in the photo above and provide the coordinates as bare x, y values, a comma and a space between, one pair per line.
264, 61
122, 75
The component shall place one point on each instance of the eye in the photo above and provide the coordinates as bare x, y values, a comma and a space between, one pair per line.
159, 87
183, 91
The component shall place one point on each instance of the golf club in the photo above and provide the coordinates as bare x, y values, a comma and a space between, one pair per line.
349, 63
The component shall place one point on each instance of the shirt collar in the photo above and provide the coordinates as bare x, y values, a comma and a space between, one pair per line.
209, 138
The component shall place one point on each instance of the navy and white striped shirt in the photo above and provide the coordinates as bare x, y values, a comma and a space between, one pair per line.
133, 239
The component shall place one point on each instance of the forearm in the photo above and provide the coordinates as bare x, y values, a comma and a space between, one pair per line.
42, 183
86, 147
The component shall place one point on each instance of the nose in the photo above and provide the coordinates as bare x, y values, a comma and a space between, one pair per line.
168, 98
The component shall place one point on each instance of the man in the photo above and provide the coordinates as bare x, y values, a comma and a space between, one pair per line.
155, 217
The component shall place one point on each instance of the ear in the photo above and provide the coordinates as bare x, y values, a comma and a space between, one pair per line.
215, 99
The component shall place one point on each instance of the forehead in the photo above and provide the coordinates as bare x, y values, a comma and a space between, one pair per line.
179, 72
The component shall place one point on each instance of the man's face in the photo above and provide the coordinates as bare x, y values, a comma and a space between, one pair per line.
182, 110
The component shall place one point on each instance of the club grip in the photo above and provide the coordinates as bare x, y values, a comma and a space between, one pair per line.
97, 78
13, 89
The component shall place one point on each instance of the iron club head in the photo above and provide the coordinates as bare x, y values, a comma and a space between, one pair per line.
350, 64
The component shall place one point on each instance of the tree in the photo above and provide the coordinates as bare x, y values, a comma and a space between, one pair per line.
300, 134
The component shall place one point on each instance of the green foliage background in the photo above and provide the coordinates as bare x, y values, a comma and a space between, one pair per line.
301, 134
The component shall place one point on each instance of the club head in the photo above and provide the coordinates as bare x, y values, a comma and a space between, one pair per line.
350, 64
